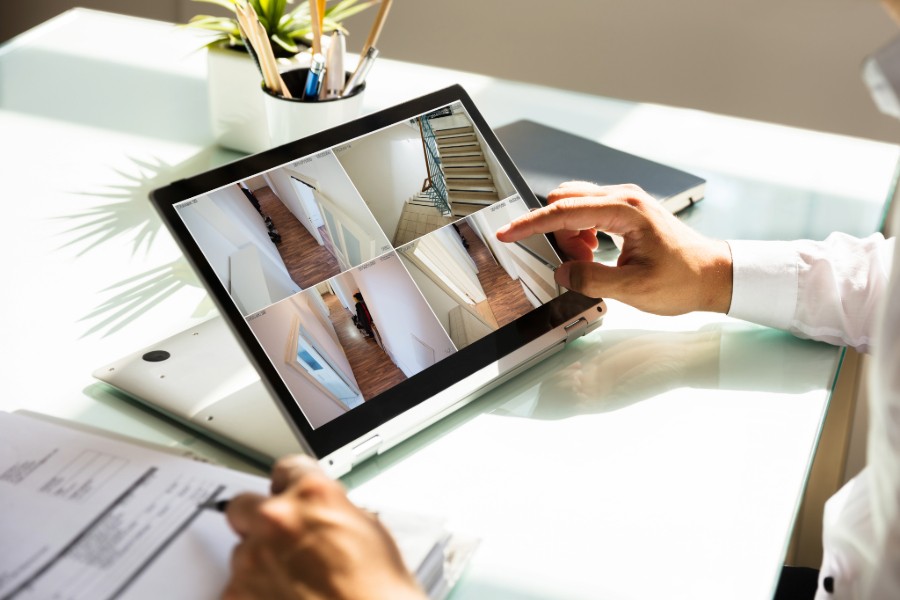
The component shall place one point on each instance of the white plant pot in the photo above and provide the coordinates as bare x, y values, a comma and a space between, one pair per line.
236, 108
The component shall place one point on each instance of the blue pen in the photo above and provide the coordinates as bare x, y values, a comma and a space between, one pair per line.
314, 79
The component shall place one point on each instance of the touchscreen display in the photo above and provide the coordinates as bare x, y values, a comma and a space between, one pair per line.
366, 263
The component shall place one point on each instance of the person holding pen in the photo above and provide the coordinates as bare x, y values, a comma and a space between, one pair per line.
307, 540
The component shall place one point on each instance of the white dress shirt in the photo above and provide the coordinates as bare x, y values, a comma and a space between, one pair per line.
843, 291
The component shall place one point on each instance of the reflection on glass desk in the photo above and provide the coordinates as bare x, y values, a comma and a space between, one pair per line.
656, 457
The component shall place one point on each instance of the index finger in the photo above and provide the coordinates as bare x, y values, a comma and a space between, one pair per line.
243, 511
291, 469
576, 189
574, 214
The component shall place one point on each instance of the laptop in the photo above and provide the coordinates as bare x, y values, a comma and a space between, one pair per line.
363, 294
547, 156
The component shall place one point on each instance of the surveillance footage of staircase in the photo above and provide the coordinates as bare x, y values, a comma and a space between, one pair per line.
459, 182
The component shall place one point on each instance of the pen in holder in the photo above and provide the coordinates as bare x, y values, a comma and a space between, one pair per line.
289, 119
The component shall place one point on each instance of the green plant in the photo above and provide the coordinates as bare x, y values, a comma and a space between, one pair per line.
287, 29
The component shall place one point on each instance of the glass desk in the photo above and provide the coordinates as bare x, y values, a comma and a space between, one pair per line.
656, 457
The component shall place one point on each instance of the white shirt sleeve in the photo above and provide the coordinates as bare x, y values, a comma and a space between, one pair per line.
834, 291
828, 291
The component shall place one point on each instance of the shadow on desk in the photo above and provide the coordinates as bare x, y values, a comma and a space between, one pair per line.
624, 367
612, 370
124, 221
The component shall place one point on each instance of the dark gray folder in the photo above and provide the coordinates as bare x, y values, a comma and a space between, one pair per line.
548, 156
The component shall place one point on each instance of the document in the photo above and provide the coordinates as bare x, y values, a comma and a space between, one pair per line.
83, 516
86, 516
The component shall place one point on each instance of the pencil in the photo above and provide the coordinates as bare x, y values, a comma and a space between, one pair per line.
248, 28
264, 50
315, 19
380, 18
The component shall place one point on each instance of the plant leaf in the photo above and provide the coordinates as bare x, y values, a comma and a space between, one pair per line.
260, 8
222, 24
335, 16
329, 26
300, 35
301, 12
344, 5
277, 12
288, 45
267, 6
287, 23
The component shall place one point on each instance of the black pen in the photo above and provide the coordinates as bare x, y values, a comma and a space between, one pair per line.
216, 505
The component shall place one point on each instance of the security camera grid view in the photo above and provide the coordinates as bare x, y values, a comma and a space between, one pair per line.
368, 262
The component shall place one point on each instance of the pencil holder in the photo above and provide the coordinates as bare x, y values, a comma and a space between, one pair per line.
289, 119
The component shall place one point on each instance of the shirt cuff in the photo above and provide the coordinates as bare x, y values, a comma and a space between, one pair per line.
765, 282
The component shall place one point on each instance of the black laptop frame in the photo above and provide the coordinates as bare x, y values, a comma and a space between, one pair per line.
350, 426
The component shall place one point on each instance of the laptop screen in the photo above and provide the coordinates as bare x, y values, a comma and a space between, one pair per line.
364, 262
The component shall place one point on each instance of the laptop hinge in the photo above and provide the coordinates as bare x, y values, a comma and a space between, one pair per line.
365, 449
576, 329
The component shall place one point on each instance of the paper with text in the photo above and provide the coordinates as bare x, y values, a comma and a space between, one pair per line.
84, 516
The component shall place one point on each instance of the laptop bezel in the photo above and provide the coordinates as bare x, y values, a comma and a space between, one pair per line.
417, 389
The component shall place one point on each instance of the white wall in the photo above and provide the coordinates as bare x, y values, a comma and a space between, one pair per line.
504, 186
344, 287
387, 168
237, 208
222, 224
487, 222
284, 189
254, 183
399, 310
273, 329
517, 262
215, 245
332, 180
440, 301
791, 62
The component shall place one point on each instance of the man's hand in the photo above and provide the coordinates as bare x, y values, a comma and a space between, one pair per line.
309, 541
665, 267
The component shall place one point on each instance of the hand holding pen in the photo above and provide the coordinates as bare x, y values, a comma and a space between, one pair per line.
308, 540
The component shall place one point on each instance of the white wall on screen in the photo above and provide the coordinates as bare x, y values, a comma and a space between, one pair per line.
445, 256
321, 311
516, 261
254, 183
215, 246
489, 221
440, 301
332, 180
245, 219
284, 189
388, 168
221, 226
344, 287
273, 329
398, 310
